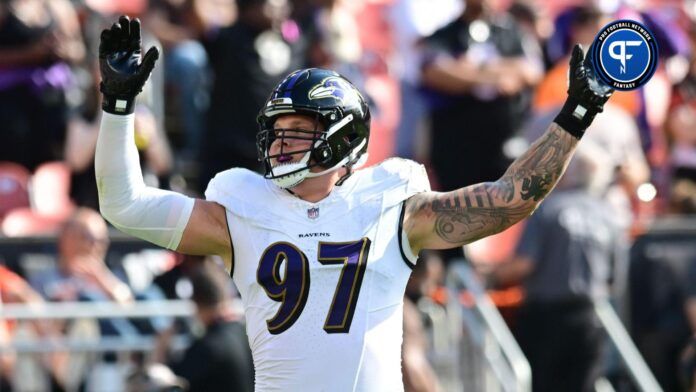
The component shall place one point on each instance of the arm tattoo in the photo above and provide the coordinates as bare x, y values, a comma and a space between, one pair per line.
474, 212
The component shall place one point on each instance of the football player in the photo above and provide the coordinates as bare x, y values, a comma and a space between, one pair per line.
320, 253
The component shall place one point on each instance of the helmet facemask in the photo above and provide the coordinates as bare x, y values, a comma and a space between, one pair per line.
319, 153
281, 168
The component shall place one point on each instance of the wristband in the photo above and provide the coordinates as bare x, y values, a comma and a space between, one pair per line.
118, 105
574, 118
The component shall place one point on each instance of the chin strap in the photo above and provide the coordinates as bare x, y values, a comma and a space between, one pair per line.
349, 172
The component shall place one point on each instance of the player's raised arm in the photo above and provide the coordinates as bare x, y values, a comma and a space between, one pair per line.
446, 220
165, 218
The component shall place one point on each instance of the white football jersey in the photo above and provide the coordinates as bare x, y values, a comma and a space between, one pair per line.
322, 283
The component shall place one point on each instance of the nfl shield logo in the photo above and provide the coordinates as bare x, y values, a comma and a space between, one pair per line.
313, 213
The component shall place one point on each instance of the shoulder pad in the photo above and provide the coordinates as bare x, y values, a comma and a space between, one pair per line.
397, 179
412, 172
234, 187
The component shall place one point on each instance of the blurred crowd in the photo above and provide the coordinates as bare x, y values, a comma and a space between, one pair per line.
462, 86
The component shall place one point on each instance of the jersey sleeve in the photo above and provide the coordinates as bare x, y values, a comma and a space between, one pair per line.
401, 179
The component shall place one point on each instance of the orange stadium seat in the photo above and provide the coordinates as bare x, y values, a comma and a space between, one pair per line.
50, 203
24, 222
50, 193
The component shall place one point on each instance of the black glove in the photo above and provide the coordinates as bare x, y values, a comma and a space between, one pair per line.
587, 95
123, 74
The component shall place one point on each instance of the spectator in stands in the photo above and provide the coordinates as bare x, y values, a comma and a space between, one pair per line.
681, 132
682, 197
248, 59
475, 69
81, 273
14, 289
688, 360
181, 27
565, 260
691, 295
335, 42
6, 359
688, 366
660, 287
535, 25
176, 283
412, 20
38, 41
220, 359
418, 373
